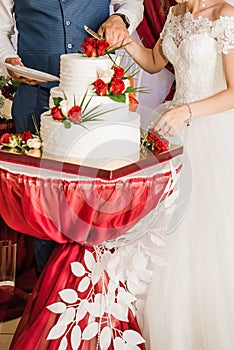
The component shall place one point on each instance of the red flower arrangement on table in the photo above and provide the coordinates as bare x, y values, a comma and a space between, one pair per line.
25, 143
154, 141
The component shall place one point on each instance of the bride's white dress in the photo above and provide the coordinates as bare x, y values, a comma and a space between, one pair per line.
190, 305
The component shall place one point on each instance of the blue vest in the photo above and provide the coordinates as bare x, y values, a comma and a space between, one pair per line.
49, 28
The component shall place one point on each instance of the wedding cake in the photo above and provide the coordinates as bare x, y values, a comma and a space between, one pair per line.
110, 138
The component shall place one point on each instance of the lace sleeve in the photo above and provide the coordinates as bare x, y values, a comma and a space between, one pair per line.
224, 33
166, 24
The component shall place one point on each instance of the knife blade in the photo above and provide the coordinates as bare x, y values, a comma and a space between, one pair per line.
92, 32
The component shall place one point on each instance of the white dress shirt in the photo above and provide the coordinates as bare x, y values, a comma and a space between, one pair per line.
133, 9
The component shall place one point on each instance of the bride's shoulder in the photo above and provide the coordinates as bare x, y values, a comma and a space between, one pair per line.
226, 10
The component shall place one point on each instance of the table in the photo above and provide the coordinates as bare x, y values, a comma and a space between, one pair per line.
90, 295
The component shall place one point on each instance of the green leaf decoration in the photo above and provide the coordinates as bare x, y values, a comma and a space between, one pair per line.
65, 96
66, 124
118, 97
129, 89
83, 99
57, 101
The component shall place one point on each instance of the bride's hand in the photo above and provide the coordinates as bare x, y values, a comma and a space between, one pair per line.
171, 121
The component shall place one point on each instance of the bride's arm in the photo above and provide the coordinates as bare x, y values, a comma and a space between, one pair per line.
151, 60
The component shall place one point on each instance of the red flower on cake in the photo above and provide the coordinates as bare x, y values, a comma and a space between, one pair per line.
93, 47
113, 83
71, 113
118, 72
101, 47
154, 141
57, 113
75, 114
117, 86
101, 87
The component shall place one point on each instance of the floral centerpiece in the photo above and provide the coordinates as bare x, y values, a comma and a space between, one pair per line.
153, 141
24, 143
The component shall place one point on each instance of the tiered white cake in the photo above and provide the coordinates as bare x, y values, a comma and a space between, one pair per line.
112, 140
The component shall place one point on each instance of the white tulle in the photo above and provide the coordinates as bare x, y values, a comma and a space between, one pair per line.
190, 304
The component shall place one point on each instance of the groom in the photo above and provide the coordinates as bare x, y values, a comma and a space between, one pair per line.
47, 29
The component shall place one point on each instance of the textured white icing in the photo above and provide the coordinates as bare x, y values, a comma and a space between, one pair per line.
114, 138
77, 73
116, 135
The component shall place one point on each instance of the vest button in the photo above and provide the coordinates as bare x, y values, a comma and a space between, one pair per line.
69, 46
68, 23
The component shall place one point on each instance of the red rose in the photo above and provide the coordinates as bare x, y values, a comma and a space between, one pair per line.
89, 47
117, 86
161, 144
118, 72
5, 138
57, 113
151, 137
75, 114
101, 87
102, 45
26, 135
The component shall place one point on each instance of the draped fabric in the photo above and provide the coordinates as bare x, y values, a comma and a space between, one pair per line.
151, 27
88, 212
153, 21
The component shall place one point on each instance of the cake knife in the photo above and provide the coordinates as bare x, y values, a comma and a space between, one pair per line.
92, 32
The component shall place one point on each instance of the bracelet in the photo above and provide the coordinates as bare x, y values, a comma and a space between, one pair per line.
188, 121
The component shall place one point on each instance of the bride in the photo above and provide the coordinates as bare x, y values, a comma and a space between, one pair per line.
191, 300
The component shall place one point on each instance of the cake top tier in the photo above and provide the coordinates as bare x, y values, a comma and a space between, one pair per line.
77, 71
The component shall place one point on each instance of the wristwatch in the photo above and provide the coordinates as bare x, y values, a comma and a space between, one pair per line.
124, 18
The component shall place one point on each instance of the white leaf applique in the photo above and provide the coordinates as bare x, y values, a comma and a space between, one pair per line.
77, 269
105, 338
81, 310
63, 344
133, 337
68, 296
84, 284
90, 331
75, 337
67, 316
57, 308
119, 311
89, 260
95, 309
57, 331
119, 343
125, 297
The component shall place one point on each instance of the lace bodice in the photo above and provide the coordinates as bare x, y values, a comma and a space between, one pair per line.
194, 46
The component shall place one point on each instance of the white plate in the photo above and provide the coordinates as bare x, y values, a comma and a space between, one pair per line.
31, 73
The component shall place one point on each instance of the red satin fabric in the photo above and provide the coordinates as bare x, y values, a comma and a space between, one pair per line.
87, 212
153, 21
38, 320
